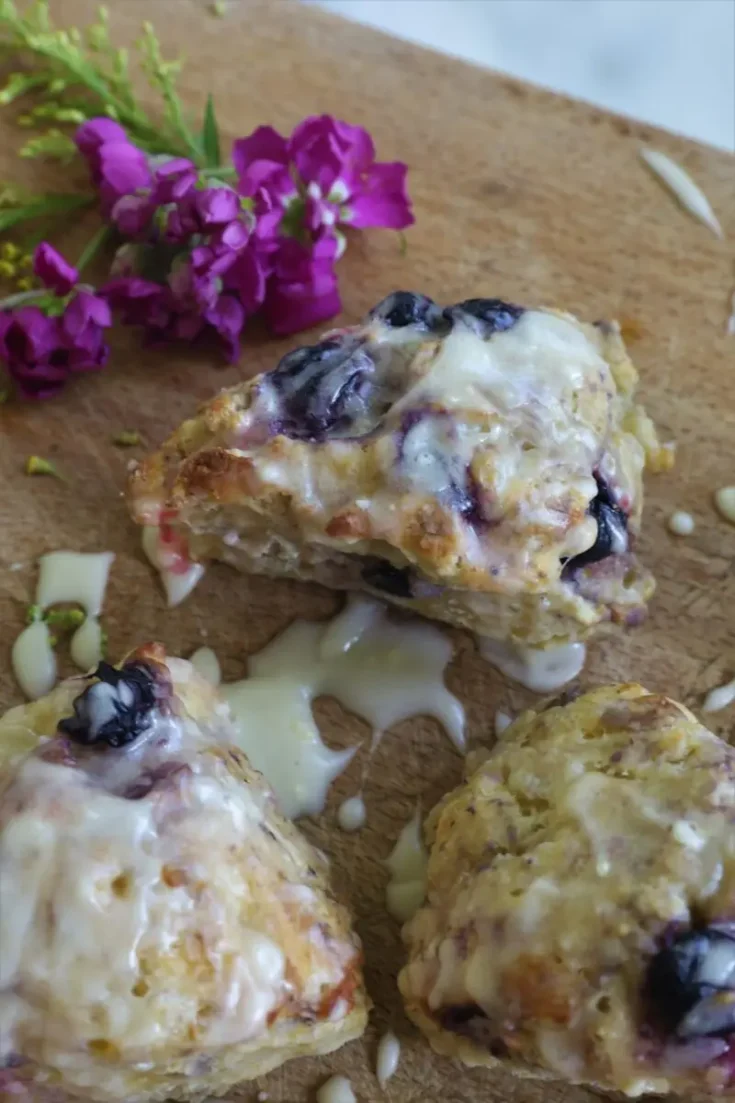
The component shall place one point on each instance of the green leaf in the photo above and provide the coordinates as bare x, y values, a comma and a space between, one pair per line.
210, 135
43, 207
53, 144
95, 245
20, 83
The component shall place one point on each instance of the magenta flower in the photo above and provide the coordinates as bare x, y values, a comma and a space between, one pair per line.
302, 290
52, 270
330, 168
262, 162
41, 352
117, 166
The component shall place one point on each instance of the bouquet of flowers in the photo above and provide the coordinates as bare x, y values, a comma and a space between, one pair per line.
196, 245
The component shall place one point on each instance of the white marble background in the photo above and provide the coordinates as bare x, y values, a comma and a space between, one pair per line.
669, 62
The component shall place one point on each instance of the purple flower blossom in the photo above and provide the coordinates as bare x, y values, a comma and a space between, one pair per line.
330, 167
202, 258
262, 162
302, 291
117, 166
52, 270
40, 352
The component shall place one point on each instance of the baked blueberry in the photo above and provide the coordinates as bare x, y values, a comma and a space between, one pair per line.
324, 390
612, 529
116, 708
383, 576
488, 315
691, 984
407, 308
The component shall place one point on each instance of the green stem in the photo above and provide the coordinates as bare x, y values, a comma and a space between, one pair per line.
23, 297
221, 172
42, 208
94, 246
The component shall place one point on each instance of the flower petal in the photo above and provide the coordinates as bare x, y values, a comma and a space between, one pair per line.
382, 199
217, 206
94, 133
52, 270
264, 144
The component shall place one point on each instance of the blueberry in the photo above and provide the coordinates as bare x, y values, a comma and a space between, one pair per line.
612, 529
324, 389
488, 316
116, 708
470, 1021
382, 575
406, 308
685, 982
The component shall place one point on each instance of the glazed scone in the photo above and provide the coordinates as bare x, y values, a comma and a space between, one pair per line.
479, 464
164, 932
580, 918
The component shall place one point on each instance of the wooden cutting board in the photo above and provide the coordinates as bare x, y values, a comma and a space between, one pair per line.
518, 193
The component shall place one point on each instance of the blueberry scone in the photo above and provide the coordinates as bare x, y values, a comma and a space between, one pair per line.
479, 464
580, 919
164, 932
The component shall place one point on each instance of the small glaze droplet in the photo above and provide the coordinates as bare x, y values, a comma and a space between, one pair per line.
338, 1089
719, 698
502, 721
725, 502
352, 814
408, 864
86, 644
539, 669
33, 660
206, 663
681, 523
389, 1054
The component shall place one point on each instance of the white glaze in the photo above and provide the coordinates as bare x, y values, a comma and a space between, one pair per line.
681, 523
388, 1056
680, 183
33, 660
65, 577
408, 864
77, 577
276, 729
381, 670
725, 502
86, 644
541, 670
206, 663
352, 813
502, 721
720, 697
177, 584
337, 1089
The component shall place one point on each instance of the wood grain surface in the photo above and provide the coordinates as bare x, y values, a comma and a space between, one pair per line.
518, 193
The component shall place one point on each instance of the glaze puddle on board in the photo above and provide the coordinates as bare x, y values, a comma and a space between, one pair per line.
178, 575
408, 865
541, 670
382, 670
78, 578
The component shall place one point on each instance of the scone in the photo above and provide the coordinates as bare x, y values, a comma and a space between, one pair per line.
164, 932
479, 464
580, 920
